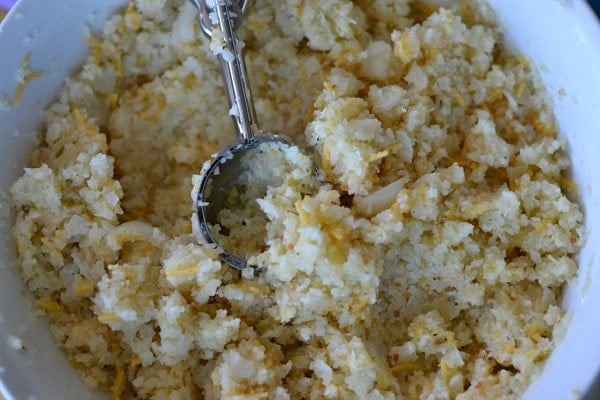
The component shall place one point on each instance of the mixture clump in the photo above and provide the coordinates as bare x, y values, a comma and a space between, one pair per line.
427, 263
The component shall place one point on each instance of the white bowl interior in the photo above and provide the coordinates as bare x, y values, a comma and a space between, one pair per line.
561, 37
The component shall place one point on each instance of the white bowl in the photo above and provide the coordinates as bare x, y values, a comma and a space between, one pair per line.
561, 37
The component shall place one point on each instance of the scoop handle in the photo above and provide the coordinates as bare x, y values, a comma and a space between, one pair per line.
233, 68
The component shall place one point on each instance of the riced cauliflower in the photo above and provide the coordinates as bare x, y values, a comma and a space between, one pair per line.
427, 263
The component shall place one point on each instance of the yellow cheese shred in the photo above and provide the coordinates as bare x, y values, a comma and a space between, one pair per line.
49, 305
403, 367
118, 386
84, 288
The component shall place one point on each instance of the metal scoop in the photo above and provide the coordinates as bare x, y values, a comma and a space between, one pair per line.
224, 17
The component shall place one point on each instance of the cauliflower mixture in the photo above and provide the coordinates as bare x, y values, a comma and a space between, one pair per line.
427, 264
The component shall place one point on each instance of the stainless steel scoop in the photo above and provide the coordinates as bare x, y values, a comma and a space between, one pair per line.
224, 17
